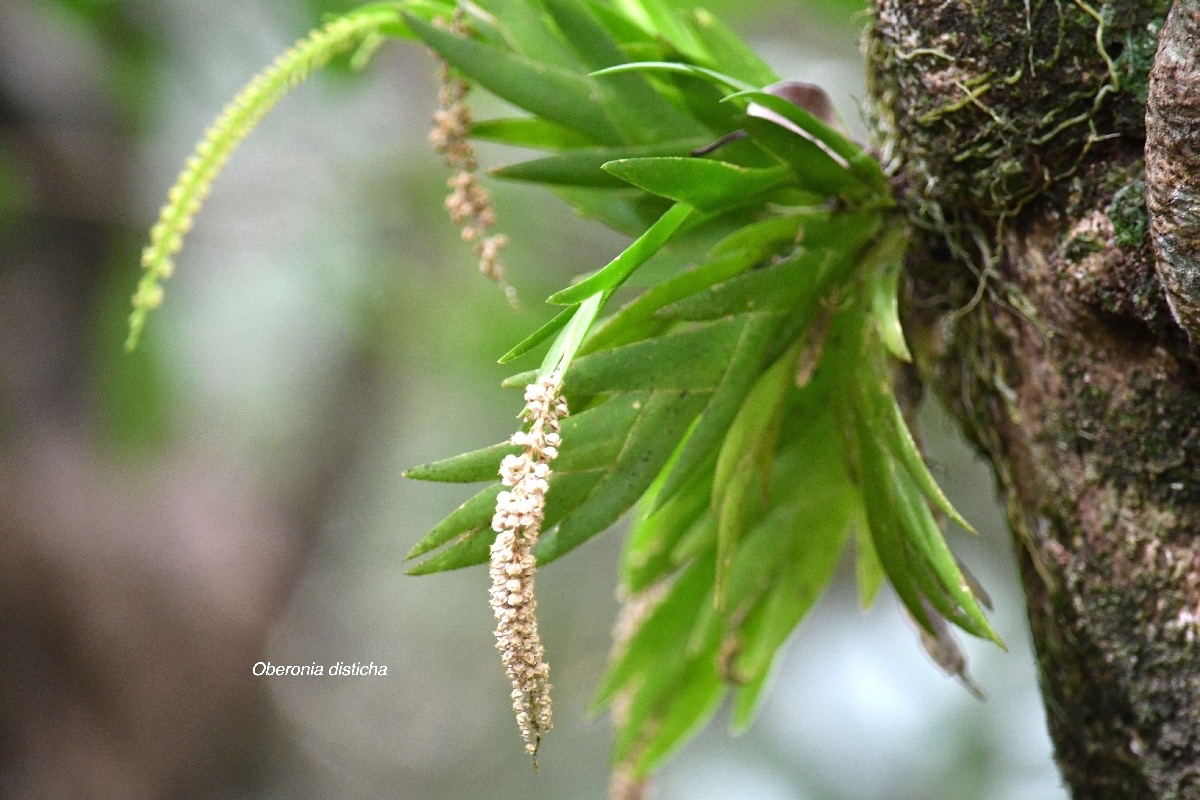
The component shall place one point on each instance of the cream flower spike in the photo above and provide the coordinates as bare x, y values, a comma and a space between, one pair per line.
518, 522
469, 204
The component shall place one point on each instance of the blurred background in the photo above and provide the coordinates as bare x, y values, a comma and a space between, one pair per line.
231, 493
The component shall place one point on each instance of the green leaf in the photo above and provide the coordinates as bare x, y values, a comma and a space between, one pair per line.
926, 538
663, 21
744, 364
693, 701
637, 320
701, 97
649, 553
844, 231
693, 359
619, 25
620, 268
527, 31
478, 465
769, 237
877, 476
470, 549
885, 290
727, 50
701, 183
562, 352
868, 572
661, 635
744, 462
818, 534
815, 168
591, 441
540, 335
663, 419
532, 132
773, 289
900, 442
468, 518
584, 166
563, 97
639, 111
850, 154
568, 490
629, 211
588, 435
691, 70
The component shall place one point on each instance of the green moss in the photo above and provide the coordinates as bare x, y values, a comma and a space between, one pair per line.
1137, 56
1137, 424
1079, 247
1128, 214
989, 109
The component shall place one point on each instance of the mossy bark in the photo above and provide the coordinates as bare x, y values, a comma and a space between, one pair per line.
1015, 132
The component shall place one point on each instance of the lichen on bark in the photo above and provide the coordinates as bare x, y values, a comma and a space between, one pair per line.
1014, 134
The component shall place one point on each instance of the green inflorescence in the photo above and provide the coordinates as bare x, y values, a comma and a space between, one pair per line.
236, 121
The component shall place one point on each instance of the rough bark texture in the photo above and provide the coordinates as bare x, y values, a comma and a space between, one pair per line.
1015, 132
1173, 158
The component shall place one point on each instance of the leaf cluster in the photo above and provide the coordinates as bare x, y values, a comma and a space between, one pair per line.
742, 406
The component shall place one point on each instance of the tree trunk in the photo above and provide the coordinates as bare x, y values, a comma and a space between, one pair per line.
1016, 134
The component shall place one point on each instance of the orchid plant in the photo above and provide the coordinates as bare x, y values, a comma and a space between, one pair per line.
741, 410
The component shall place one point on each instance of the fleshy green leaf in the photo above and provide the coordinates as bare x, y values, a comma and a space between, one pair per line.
701, 183
617, 270
876, 471
532, 132
691, 360
472, 515
745, 361
693, 701
526, 30
769, 237
563, 97
846, 231
818, 534
868, 572
629, 211
663, 21
726, 49
663, 419
619, 25
704, 73
662, 634
591, 441
562, 352
926, 537
553, 326
847, 152
640, 112
478, 465
815, 168
702, 98
885, 289
650, 545
583, 167
638, 320
900, 442
744, 462
773, 289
